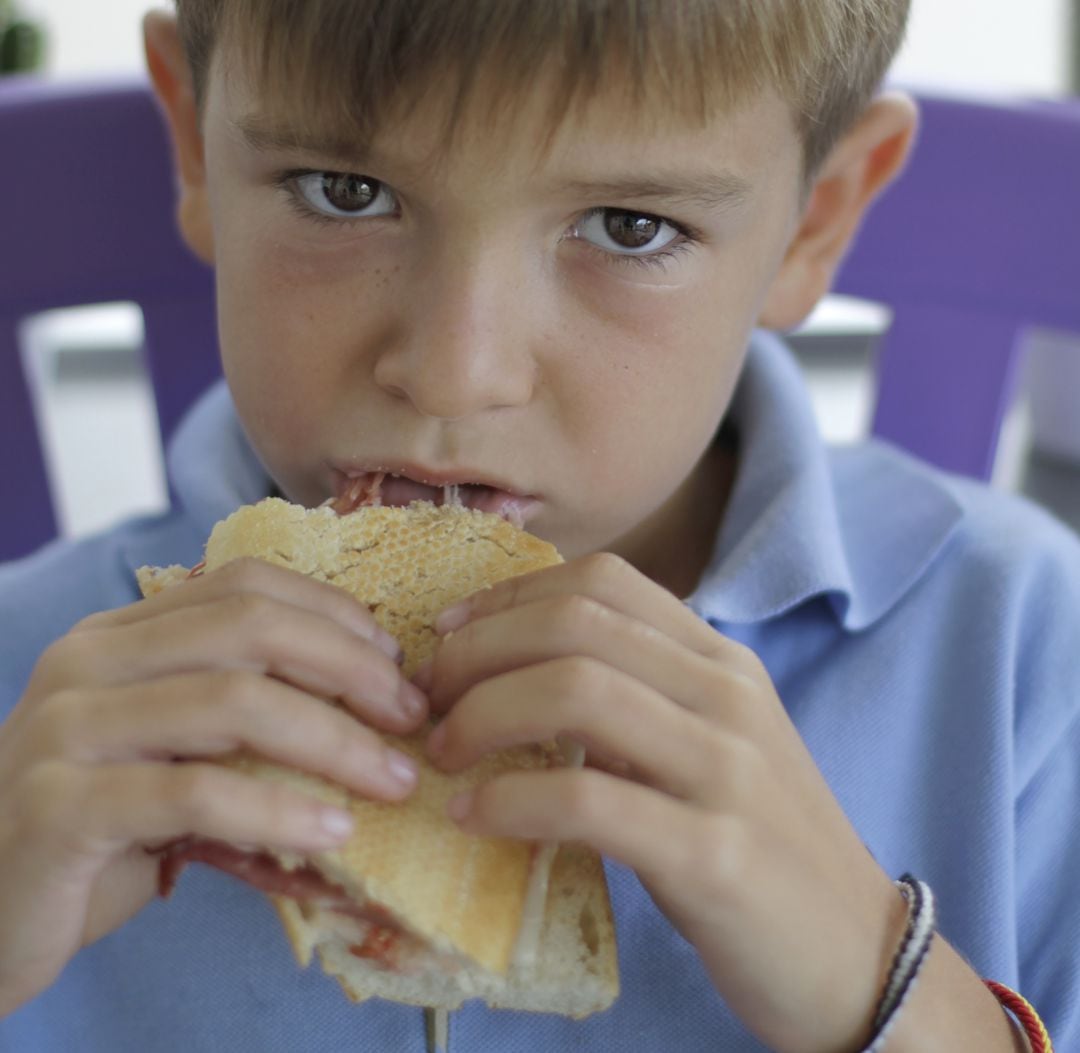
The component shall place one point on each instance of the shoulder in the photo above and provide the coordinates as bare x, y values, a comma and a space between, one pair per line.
997, 596
997, 537
1028, 557
45, 594
1023, 566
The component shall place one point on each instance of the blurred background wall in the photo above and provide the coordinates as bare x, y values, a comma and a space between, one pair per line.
995, 45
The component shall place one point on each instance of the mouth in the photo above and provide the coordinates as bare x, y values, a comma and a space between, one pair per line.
400, 487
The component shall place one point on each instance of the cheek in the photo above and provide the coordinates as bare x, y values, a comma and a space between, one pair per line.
653, 377
291, 322
652, 353
264, 322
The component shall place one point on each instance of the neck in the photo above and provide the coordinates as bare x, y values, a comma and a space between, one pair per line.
673, 546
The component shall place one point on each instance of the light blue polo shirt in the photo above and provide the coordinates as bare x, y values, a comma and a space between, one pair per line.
923, 632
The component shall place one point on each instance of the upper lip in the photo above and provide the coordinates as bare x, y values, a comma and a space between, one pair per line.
420, 473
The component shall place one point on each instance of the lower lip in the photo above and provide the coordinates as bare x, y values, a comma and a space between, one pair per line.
515, 510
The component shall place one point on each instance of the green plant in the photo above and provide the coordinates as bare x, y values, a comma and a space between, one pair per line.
21, 41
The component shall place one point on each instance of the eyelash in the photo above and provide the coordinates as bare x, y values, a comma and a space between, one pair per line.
689, 237
283, 181
689, 240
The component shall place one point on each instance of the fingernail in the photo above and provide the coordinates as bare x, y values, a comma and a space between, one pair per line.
401, 769
412, 700
336, 823
388, 645
452, 619
460, 806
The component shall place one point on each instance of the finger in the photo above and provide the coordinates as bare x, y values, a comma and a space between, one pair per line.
618, 819
567, 625
96, 810
212, 714
257, 576
257, 633
667, 748
608, 580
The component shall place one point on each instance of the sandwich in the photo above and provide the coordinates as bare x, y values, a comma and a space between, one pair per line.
411, 909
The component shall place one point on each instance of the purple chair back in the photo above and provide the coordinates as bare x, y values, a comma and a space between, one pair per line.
977, 243
87, 216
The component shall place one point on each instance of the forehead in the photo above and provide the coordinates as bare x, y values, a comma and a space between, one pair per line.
515, 135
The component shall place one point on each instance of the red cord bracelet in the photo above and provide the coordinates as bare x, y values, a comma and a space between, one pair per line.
1025, 1014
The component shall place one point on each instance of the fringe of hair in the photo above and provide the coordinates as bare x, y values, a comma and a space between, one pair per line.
354, 62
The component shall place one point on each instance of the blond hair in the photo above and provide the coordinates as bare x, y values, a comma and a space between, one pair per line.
348, 61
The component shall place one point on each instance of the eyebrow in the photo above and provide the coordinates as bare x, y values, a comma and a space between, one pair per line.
711, 190
714, 191
262, 135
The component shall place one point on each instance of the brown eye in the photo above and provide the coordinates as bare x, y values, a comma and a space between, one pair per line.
342, 195
349, 193
631, 230
622, 232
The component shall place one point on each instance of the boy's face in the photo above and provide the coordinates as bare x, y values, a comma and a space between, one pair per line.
567, 325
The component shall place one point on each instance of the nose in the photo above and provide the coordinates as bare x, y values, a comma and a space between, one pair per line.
465, 346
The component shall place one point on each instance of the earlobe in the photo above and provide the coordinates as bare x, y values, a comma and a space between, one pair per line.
170, 75
862, 164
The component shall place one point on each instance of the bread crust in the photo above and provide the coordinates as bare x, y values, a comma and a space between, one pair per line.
405, 564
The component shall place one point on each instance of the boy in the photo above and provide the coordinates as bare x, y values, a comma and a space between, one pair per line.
528, 246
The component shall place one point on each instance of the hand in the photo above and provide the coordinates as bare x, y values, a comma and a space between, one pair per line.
101, 757
695, 778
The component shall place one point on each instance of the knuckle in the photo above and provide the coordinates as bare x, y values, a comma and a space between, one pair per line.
339, 602
583, 796
747, 714
94, 622
240, 693
196, 794
342, 736
740, 660
254, 611
244, 574
604, 571
73, 655
741, 773
282, 806
722, 859
576, 615
750, 665
720, 648
57, 725
43, 801
581, 679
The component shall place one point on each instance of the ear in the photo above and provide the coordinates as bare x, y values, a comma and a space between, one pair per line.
175, 91
861, 165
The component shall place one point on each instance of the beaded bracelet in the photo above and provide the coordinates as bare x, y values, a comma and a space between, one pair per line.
1024, 1014
914, 947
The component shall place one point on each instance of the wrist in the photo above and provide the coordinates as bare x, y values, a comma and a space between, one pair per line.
907, 963
932, 1001
1025, 1020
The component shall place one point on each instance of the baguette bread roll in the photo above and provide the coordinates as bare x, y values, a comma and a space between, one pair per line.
523, 926
406, 564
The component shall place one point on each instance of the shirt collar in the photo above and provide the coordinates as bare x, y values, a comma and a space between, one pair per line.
857, 526
211, 464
